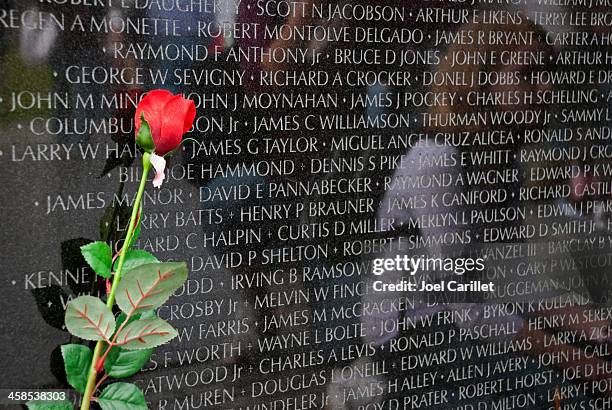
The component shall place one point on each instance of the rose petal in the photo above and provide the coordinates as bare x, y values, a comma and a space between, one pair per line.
152, 105
178, 117
159, 163
189, 116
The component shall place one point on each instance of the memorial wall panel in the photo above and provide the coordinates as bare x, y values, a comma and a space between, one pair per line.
380, 204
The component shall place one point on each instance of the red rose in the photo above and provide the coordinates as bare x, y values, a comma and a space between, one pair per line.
169, 117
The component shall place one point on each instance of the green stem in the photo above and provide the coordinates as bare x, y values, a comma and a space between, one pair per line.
93, 374
146, 166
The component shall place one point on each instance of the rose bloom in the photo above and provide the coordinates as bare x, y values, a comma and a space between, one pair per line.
169, 117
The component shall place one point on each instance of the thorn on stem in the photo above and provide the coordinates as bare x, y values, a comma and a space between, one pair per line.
100, 364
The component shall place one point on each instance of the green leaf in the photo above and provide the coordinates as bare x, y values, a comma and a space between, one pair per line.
122, 363
77, 359
88, 318
49, 405
137, 257
147, 314
122, 396
145, 334
144, 139
149, 286
99, 256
